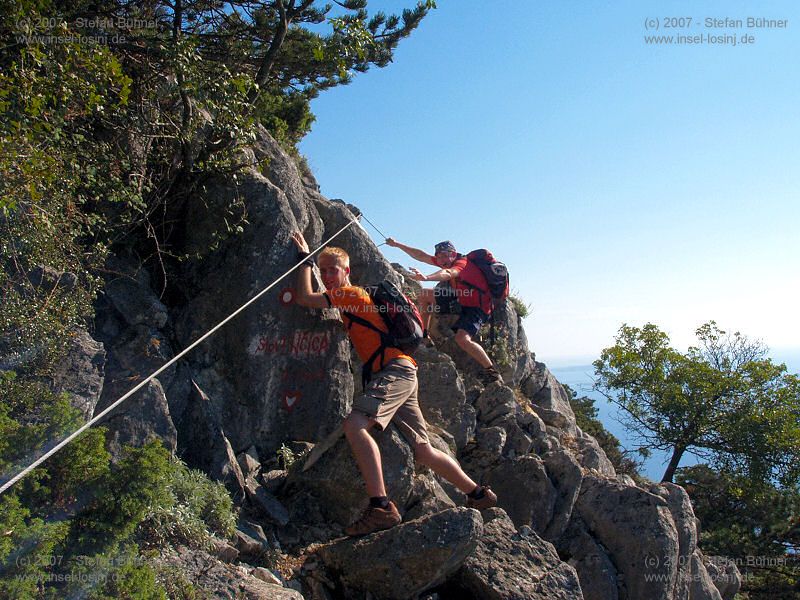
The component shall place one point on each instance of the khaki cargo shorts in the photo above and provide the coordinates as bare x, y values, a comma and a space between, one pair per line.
391, 396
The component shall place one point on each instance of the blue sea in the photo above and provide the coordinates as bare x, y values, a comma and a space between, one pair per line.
580, 379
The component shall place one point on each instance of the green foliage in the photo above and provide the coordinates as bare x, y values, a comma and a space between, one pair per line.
286, 457
134, 485
722, 399
194, 508
586, 418
520, 307
33, 418
756, 526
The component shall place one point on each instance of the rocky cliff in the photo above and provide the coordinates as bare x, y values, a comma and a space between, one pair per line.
278, 380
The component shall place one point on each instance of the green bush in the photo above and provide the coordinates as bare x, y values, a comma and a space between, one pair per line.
193, 509
520, 307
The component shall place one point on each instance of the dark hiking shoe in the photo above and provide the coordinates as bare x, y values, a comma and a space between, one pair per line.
488, 500
490, 375
375, 519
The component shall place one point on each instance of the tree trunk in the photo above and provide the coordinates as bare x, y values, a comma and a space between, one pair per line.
677, 453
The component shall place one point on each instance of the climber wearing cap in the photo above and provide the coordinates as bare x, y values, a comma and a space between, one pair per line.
453, 296
390, 396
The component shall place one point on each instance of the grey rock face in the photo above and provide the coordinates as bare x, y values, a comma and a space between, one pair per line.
511, 335
442, 396
637, 529
724, 574
510, 565
495, 402
336, 483
524, 491
222, 580
551, 403
280, 370
129, 291
81, 373
414, 556
596, 571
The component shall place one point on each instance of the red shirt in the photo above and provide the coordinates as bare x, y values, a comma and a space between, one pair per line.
467, 295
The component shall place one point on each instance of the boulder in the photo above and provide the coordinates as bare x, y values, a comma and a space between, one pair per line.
566, 475
639, 533
442, 396
524, 491
551, 403
596, 571
414, 556
221, 580
335, 482
508, 565
496, 401
81, 373
282, 370
724, 573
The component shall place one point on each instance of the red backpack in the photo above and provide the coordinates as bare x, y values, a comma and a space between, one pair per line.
494, 272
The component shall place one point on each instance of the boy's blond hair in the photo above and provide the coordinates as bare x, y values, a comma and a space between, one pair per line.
341, 257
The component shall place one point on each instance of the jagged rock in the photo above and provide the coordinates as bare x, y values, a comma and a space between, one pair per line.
427, 497
129, 291
273, 480
510, 565
414, 556
248, 462
248, 545
524, 491
496, 401
511, 337
595, 569
591, 456
141, 418
518, 441
566, 476
442, 396
81, 373
637, 529
221, 580
724, 574
551, 403
700, 585
211, 451
680, 508
282, 370
267, 504
491, 441
224, 551
267, 576
338, 487
367, 264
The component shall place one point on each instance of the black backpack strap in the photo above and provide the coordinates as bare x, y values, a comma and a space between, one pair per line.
366, 372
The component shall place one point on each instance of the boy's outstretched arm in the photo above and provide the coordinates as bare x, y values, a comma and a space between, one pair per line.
306, 296
414, 253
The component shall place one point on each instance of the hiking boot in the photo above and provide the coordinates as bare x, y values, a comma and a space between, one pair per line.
488, 500
490, 375
375, 519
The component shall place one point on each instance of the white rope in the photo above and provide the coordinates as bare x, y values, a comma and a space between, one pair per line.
210, 332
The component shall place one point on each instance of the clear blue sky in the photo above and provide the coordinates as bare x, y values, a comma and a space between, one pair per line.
620, 181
